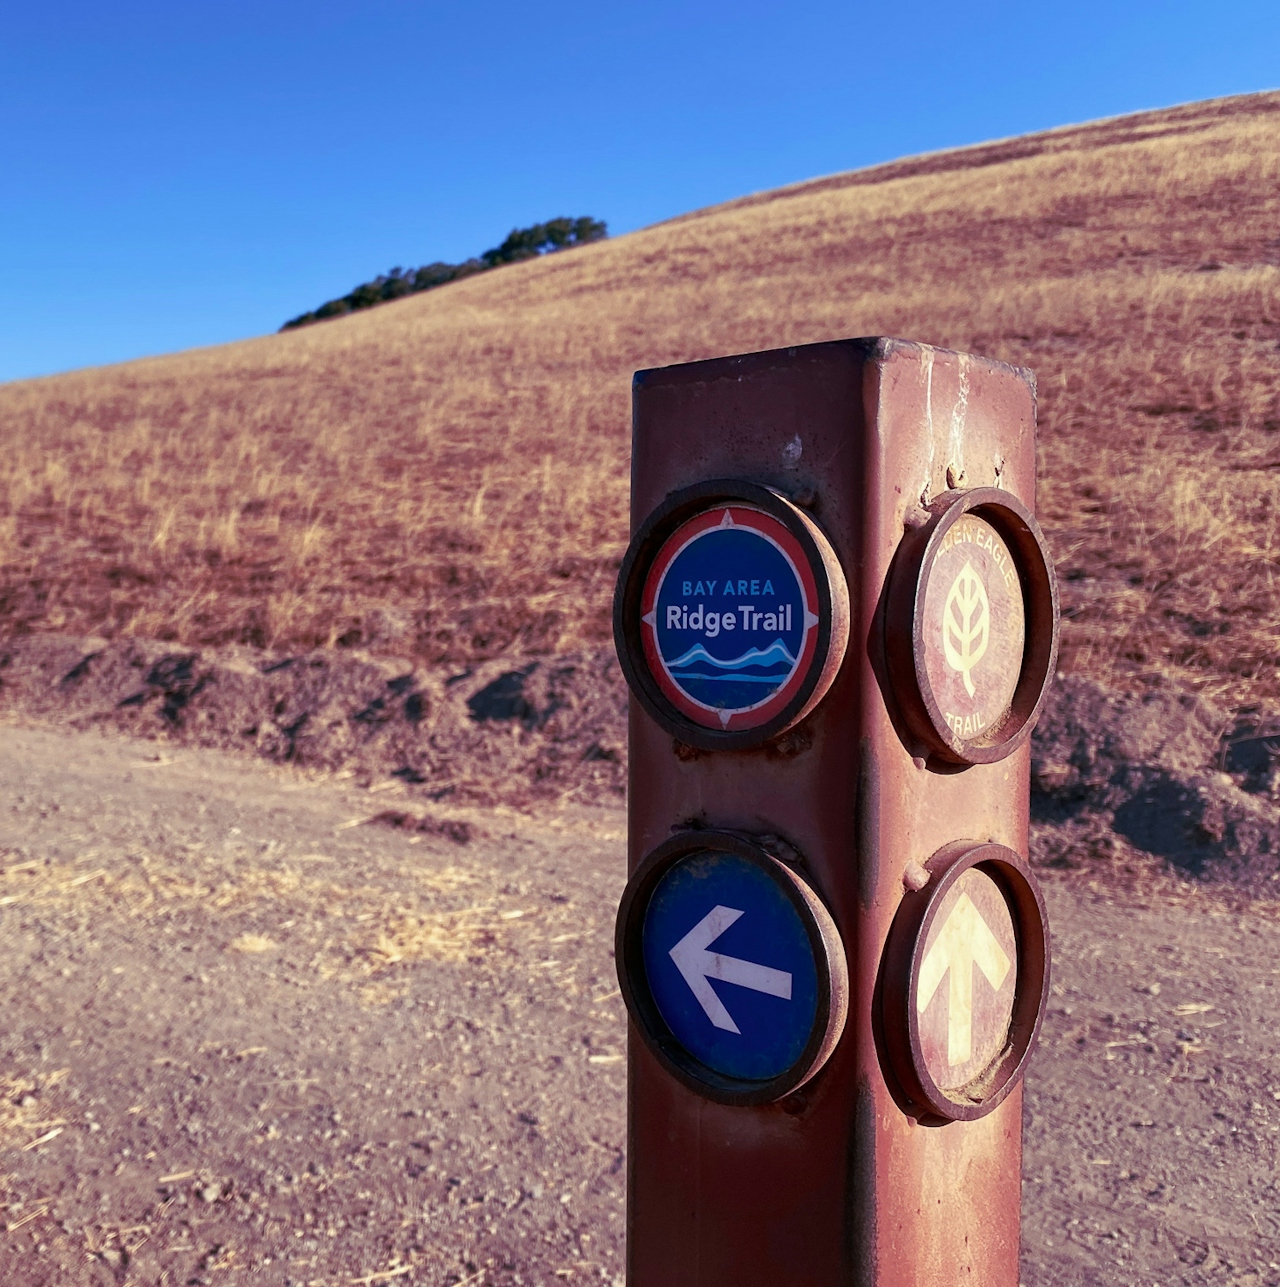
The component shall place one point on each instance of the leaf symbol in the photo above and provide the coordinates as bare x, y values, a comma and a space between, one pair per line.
966, 624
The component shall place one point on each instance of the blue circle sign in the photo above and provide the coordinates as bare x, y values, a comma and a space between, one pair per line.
730, 967
729, 614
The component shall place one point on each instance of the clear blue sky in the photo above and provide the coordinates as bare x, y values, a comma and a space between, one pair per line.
180, 174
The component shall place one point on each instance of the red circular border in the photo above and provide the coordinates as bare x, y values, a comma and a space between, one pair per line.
771, 529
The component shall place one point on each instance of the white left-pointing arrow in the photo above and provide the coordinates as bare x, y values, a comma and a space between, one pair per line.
697, 967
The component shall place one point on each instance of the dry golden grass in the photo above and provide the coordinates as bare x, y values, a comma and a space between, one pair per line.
446, 476
349, 932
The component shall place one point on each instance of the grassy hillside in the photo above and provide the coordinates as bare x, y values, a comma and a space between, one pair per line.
445, 477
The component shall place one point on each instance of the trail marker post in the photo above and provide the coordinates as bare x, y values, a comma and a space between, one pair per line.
838, 619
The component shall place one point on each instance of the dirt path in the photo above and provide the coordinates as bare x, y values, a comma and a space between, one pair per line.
260, 1044
1153, 1106
248, 1041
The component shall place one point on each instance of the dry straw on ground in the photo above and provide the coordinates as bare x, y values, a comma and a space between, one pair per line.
445, 477
325, 929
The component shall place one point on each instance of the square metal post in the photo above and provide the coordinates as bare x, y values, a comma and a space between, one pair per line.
843, 1181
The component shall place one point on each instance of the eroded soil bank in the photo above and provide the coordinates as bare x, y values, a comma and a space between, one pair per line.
1127, 786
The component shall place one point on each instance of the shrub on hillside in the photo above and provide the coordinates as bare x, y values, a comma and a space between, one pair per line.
521, 243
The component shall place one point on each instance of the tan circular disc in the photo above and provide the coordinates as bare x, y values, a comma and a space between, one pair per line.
967, 982
974, 628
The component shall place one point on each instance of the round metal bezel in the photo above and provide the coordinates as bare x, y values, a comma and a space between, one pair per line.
905, 647
902, 962
832, 611
824, 941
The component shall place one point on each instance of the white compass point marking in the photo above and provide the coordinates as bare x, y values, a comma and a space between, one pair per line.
727, 520
650, 619
809, 619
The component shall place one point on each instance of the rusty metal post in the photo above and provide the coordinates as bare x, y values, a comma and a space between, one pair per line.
858, 818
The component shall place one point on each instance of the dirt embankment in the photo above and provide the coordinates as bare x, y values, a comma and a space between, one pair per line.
549, 729
1129, 785
1137, 783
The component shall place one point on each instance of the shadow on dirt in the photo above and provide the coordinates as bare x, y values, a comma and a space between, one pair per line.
1162, 772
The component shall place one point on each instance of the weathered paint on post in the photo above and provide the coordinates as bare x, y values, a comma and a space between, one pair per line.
844, 1180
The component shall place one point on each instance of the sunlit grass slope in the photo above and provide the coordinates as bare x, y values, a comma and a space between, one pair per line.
445, 477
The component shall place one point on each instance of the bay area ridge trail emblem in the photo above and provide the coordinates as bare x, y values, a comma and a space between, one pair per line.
729, 617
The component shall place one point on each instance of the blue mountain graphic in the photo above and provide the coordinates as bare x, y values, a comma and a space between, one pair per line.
760, 666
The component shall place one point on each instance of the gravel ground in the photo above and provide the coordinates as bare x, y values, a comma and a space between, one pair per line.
1153, 1105
247, 1040
253, 1036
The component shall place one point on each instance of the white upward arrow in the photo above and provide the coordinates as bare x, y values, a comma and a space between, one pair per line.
966, 940
697, 967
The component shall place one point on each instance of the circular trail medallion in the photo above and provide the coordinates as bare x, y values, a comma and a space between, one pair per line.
729, 614
974, 627
964, 980
967, 981
971, 627
731, 968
